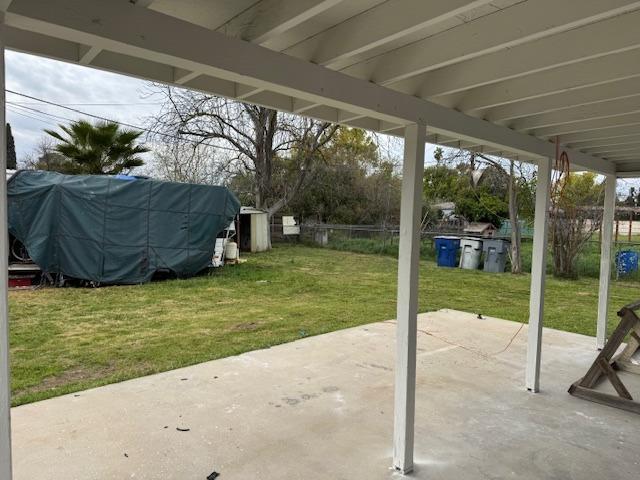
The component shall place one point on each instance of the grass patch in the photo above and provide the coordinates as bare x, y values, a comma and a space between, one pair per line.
587, 262
64, 340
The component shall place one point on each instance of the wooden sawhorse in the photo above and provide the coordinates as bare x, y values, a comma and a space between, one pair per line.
605, 364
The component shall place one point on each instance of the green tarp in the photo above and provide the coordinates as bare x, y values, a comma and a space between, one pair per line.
113, 230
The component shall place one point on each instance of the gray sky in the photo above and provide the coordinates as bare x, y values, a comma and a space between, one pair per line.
67, 84
77, 87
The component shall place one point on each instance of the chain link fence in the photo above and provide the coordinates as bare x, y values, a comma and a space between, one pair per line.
384, 240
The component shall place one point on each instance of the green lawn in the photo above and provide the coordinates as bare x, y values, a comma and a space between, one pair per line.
587, 262
64, 340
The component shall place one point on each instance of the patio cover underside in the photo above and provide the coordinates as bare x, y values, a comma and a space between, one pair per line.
501, 77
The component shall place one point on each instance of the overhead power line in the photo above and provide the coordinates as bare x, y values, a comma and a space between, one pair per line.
99, 117
110, 104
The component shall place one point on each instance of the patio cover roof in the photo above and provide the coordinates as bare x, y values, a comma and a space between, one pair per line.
498, 76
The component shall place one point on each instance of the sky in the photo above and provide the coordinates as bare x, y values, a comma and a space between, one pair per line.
94, 91
106, 94
97, 92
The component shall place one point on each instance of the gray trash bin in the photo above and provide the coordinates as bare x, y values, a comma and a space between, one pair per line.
470, 253
495, 255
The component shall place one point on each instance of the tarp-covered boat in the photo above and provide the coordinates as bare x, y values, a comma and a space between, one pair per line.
107, 229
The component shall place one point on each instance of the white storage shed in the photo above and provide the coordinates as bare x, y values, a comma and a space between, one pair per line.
253, 230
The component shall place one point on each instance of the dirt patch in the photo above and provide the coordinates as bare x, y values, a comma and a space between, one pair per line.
246, 327
67, 377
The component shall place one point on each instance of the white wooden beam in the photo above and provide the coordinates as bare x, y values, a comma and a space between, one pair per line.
514, 25
300, 106
626, 88
324, 113
245, 91
366, 123
600, 144
269, 18
5, 376
43, 45
624, 156
608, 136
588, 125
212, 85
596, 71
625, 167
609, 36
137, 67
181, 76
407, 308
633, 172
605, 258
345, 116
277, 101
386, 127
86, 54
142, 33
614, 108
619, 147
142, 3
377, 26
538, 273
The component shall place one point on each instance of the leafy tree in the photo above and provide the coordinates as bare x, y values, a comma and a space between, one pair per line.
444, 184
11, 149
101, 148
482, 206
351, 184
481, 202
484, 189
632, 198
438, 154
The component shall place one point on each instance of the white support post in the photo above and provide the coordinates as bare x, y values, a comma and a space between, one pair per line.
407, 309
5, 379
538, 271
605, 258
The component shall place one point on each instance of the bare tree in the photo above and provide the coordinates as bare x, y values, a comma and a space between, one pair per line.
45, 157
177, 161
516, 234
574, 215
256, 140
514, 220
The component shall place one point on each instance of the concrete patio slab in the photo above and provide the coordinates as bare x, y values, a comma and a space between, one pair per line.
322, 408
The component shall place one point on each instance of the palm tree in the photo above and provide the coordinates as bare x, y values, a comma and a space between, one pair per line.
103, 148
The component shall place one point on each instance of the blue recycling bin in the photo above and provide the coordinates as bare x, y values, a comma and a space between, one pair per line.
626, 262
447, 251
